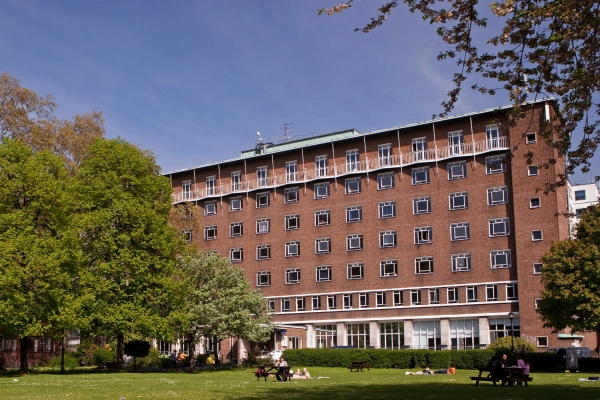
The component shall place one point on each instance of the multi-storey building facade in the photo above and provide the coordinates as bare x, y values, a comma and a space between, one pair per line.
420, 236
581, 196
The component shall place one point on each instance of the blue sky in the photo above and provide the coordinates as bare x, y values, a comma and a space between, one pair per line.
194, 81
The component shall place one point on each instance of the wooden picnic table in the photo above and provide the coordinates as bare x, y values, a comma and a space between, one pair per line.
510, 375
358, 366
263, 371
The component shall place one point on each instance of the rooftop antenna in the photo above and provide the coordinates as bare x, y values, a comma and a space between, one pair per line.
259, 139
287, 132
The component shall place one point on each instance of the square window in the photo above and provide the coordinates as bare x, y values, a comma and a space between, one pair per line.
210, 208
300, 304
210, 232
461, 262
537, 303
263, 252
387, 239
452, 295
322, 218
323, 246
354, 214
262, 200
292, 249
495, 165
398, 298
316, 302
291, 195
460, 231
471, 294
457, 170
292, 222
352, 185
285, 304
387, 209
532, 170
263, 226
512, 292
324, 273
542, 341
331, 302
363, 299
491, 293
497, 195
235, 204
537, 268
381, 301
420, 176
534, 202
388, 268
321, 190
459, 200
434, 296
263, 278
424, 265
415, 297
187, 236
236, 229
536, 236
423, 235
499, 227
579, 195
292, 276
422, 205
347, 301
530, 138
236, 255
355, 271
385, 181
354, 242
500, 259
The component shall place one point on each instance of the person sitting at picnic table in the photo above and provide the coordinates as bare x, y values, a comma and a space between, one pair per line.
451, 370
281, 363
523, 362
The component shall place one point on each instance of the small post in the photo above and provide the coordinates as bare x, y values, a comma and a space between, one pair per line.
511, 315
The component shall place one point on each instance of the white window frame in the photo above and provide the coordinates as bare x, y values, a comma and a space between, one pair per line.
236, 229
187, 235
236, 255
292, 222
321, 166
321, 190
262, 274
316, 302
363, 300
461, 262
452, 295
384, 151
326, 248
419, 148
291, 195
263, 199
300, 303
232, 204
388, 268
537, 268
537, 303
541, 341
578, 195
286, 304
347, 301
186, 190
398, 298
292, 276
380, 299
423, 265
236, 181
210, 232
208, 205
318, 220
385, 181
472, 295
211, 185
291, 171
537, 235
497, 189
456, 143
418, 200
423, 235
495, 165
352, 186
491, 293
326, 269
385, 207
349, 214
420, 176
457, 170
262, 176
263, 252
456, 234
499, 227
535, 202
492, 134
355, 271
456, 195
331, 302
434, 296
354, 242
533, 170
495, 258
352, 160
383, 239
292, 249
512, 291
530, 138
415, 297
263, 226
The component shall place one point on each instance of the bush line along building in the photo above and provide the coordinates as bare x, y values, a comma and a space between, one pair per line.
418, 236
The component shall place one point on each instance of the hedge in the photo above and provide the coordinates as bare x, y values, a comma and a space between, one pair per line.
589, 365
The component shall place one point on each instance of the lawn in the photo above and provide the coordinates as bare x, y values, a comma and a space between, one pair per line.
241, 384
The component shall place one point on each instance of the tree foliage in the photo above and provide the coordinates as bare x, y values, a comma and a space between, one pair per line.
571, 278
520, 344
543, 48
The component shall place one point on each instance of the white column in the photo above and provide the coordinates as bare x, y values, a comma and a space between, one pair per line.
445, 332
484, 331
408, 333
341, 334
310, 337
374, 338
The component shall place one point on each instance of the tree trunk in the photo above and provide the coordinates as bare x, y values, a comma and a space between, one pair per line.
134, 368
24, 366
120, 344
192, 342
216, 351
62, 353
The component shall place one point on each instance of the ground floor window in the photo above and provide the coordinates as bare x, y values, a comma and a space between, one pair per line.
325, 336
464, 334
500, 327
184, 346
295, 342
357, 335
392, 335
426, 334
8, 344
164, 347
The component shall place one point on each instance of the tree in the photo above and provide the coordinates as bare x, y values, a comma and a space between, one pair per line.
36, 274
128, 249
137, 348
571, 278
218, 302
544, 48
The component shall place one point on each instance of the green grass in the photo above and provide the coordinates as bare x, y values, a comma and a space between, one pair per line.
241, 384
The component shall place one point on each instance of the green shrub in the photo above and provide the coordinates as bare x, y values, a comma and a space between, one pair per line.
102, 357
588, 364
84, 352
152, 360
70, 362
520, 344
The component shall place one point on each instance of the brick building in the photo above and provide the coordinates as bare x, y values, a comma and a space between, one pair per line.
418, 236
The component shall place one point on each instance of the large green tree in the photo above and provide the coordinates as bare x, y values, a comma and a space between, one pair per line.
128, 248
571, 278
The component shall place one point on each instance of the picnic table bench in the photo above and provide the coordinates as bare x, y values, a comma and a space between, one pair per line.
358, 366
511, 376
283, 372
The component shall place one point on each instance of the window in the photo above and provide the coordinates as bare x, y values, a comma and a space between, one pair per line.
426, 334
534, 202
263, 278
300, 304
537, 303
500, 259
187, 236
491, 293
419, 148
464, 334
501, 327
263, 226
236, 181
380, 297
186, 190
422, 205
285, 304
324, 273
457, 170
471, 294
292, 249
398, 298
512, 292
210, 208
211, 185
536, 236
352, 160
459, 200
261, 176
461, 262
391, 335
236, 229
434, 296
460, 231
316, 302
363, 299
530, 138
235, 204
387, 209
358, 335
387, 239
497, 195
331, 302
322, 218
292, 276
493, 136
385, 154
494, 165
292, 222
271, 305
210, 232
537, 268
388, 268
321, 190
452, 295
385, 181
542, 341
323, 246
263, 252
456, 143
291, 195
424, 265
291, 171
579, 195
325, 335
499, 227
352, 185
355, 271
354, 214
420, 176
262, 200
423, 235
532, 170
236, 255
321, 166
347, 301
415, 297
354, 242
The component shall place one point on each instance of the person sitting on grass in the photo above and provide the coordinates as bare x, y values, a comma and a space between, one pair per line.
451, 370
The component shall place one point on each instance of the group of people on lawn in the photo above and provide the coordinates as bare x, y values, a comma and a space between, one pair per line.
281, 366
